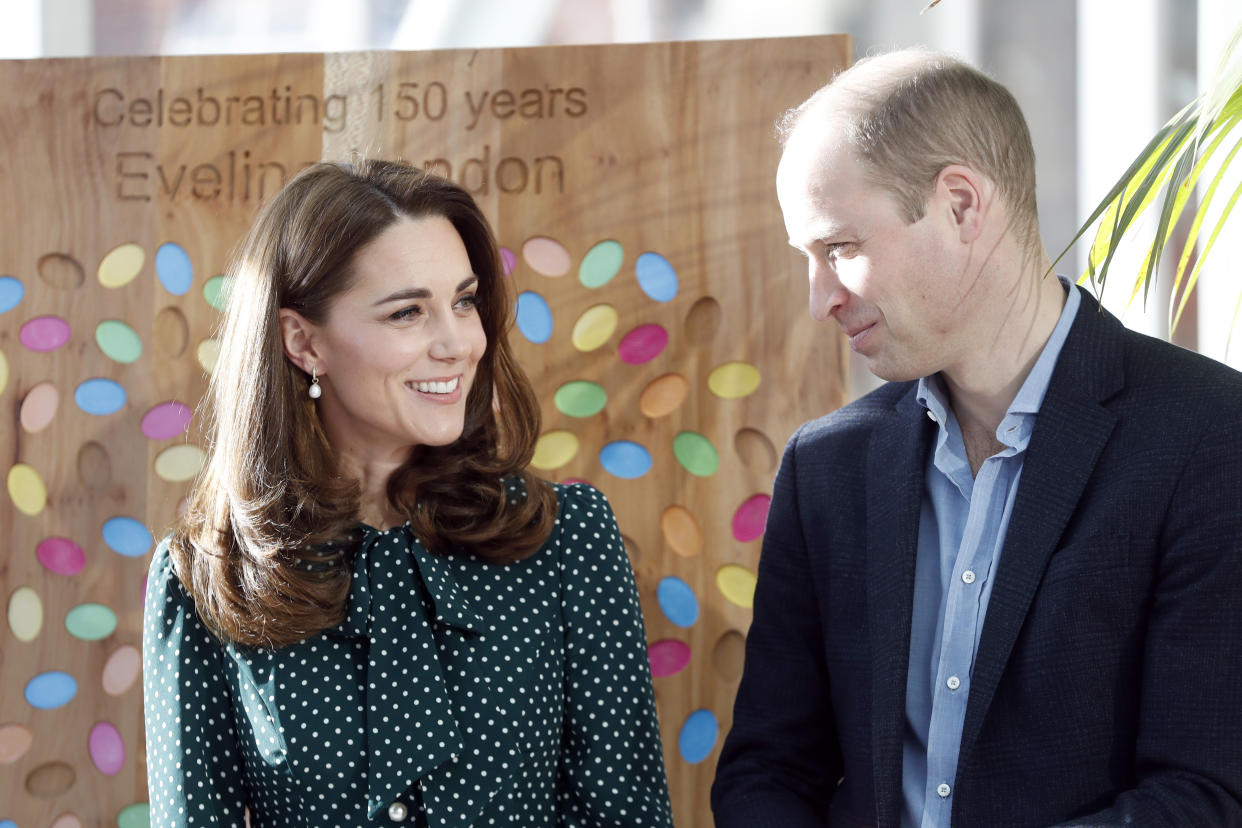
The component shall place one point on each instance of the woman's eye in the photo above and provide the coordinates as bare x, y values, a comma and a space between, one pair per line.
468, 301
406, 313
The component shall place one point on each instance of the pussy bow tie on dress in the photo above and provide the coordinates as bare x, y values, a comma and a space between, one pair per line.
411, 727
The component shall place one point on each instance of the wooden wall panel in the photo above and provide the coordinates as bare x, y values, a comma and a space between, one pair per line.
661, 152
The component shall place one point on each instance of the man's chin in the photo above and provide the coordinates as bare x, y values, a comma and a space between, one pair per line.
891, 373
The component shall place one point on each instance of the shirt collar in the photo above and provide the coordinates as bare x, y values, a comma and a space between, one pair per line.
1019, 421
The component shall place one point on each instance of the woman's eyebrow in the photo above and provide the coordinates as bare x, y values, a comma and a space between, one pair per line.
422, 293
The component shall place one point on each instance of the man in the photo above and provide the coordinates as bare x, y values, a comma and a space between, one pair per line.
1004, 589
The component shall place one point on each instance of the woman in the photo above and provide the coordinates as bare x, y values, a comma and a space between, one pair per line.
371, 612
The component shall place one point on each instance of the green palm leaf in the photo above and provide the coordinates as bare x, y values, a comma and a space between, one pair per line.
1172, 163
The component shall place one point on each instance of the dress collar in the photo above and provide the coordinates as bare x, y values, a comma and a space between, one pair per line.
435, 571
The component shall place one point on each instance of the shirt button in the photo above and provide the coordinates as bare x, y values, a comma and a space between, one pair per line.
968, 577
943, 790
397, 812
932, 417
954, 682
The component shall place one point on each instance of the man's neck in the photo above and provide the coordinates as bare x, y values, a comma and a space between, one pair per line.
982, 390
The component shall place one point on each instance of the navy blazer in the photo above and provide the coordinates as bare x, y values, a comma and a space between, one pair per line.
1107, 687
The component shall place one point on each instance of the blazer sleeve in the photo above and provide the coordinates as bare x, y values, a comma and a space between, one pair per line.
611, 767
194, 766
781, 760
1188, 758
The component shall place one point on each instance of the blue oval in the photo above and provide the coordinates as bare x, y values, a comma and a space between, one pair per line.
626, 459
698, 736
11, 292
48, 691
656, 277
678, 601
172, 265
534, 317
126, 536
7, 823
99, 396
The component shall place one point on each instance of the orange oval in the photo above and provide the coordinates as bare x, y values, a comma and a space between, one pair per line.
681, 531
663, 395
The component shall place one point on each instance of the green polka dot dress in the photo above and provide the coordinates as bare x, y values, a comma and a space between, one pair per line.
454, 693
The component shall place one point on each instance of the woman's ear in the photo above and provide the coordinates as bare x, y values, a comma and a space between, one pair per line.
298, 335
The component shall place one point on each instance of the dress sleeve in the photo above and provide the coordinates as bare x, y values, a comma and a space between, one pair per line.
611, 769
194, 766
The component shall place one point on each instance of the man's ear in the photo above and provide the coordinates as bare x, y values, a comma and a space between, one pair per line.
298, 335
967, 197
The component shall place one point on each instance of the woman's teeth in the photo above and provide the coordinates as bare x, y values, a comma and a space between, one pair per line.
437, 387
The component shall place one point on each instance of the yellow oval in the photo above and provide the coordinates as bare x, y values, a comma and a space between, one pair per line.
733, 380
736, 583
4, 371
663, 395
594, 327
120, 266
25, 614
554, 449
180, 462
27, 489
681, 531
208, 353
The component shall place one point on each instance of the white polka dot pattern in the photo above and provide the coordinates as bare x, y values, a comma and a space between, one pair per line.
455, 693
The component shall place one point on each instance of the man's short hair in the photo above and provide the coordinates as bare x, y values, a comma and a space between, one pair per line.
910, 114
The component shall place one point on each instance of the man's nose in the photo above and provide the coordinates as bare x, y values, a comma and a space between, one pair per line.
826, 293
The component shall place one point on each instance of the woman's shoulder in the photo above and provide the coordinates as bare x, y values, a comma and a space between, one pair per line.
162, 578
586, 527
581, 501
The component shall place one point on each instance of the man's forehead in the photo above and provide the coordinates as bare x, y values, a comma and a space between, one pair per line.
817, 158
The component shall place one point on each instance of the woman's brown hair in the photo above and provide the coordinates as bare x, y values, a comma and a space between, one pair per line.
270, 494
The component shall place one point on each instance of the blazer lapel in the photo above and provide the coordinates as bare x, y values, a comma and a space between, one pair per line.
1071, 430
895, 467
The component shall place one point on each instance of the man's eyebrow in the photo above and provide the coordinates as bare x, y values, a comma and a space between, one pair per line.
422, 293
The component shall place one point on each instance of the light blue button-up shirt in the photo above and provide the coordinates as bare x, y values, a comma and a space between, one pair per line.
962, 526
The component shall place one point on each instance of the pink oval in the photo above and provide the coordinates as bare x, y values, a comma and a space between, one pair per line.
750, 517
167, 420
508, 261
569, 481
60, 555
668, 656
44, 333
642, 344
106, 748
39, 407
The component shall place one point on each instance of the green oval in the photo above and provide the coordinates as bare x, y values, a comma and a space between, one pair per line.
601, 263
90, 622
216, 292
118, 341
137, 815
580, 398
696, 453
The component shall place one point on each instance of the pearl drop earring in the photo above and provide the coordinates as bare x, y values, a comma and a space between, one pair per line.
315, 391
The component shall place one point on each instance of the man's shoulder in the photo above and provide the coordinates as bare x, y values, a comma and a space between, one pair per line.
1174, 381
852, 424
